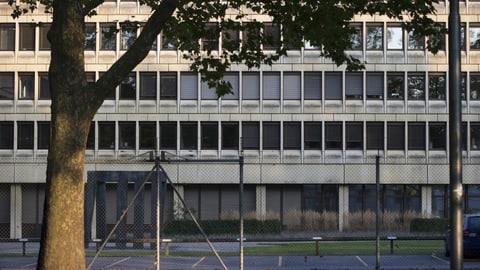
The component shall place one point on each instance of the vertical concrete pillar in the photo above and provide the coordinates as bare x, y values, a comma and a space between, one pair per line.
122, 202
16, 211
261, 201
178, 207
342, 207
427, 200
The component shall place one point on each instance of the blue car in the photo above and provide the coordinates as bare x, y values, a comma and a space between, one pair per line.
471, 236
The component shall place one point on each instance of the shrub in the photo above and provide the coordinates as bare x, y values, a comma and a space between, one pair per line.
251, 226
430, 225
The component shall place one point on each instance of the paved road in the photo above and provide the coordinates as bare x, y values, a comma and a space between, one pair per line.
258, 263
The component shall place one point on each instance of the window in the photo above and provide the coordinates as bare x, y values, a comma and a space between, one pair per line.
320, 198
312, 138
109, 37
167, 43
354, 135
464, 136
128, 35
230, 135
6, 85
437, 86
353, 85
208, 93
126, 134
106, 135
6, 135
474, 37
43, 135
44, 86
91, 137
291, 85
463, 85
437, 136
231, 40
188, 135
271, 135
27, 37
291, 135
25, 85
416, 86
395, 136
374, 135
474, 86
7, 37
44, 43
333, 136
90, 37
333, 85
25, 135
148, 85
475, 136
168, 85
232, 78
374, 85
415, 42
251, 135
210, 41
188, 86
395, 85
416, 136
271, 85
271, 33
251, 85
312, 85
374, 37
168, 136
128, 87
356, 40
394, 37
209, 135
440, 43
251, 35
463, 37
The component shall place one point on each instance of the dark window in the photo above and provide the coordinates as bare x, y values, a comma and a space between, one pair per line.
27, 37
148, 85
128, 87
312, 85
126, 134
354, 135
43, 135
395, 85
106, 135
168, 85
356, 37
91, 137
108, 38
147, 133
230, 135
7, 37
128, 35
44, 86
90, 37
437, 86
361, 198
251, 135
440, 200
210, 41
271, 33
312, 139
167, 43
416, 42
474, 135
333, 85
320, 198
333, 136
374, 37
6, 85
6, 135
416, 86
464, 136
188, 135
416, 136
168, 136
463, 86
291, 135
209, 135
271, 135
474, 86
437, 136
231, 39
463, 37
25, 85
374, 85
375, 135
353, 85
395, 136
251, 35
25, 135
43, 43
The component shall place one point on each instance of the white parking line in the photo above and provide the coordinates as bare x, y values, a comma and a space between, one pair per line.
280, 259
117, 262
198, 262
440, 259
28, 265
361, 261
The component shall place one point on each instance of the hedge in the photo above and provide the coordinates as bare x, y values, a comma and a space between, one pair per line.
251, 226
429, 225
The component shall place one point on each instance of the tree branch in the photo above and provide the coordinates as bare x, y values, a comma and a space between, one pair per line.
91, 5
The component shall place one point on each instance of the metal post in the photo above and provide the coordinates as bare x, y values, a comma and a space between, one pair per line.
157, 167
377, 215
240, 206
455, 131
